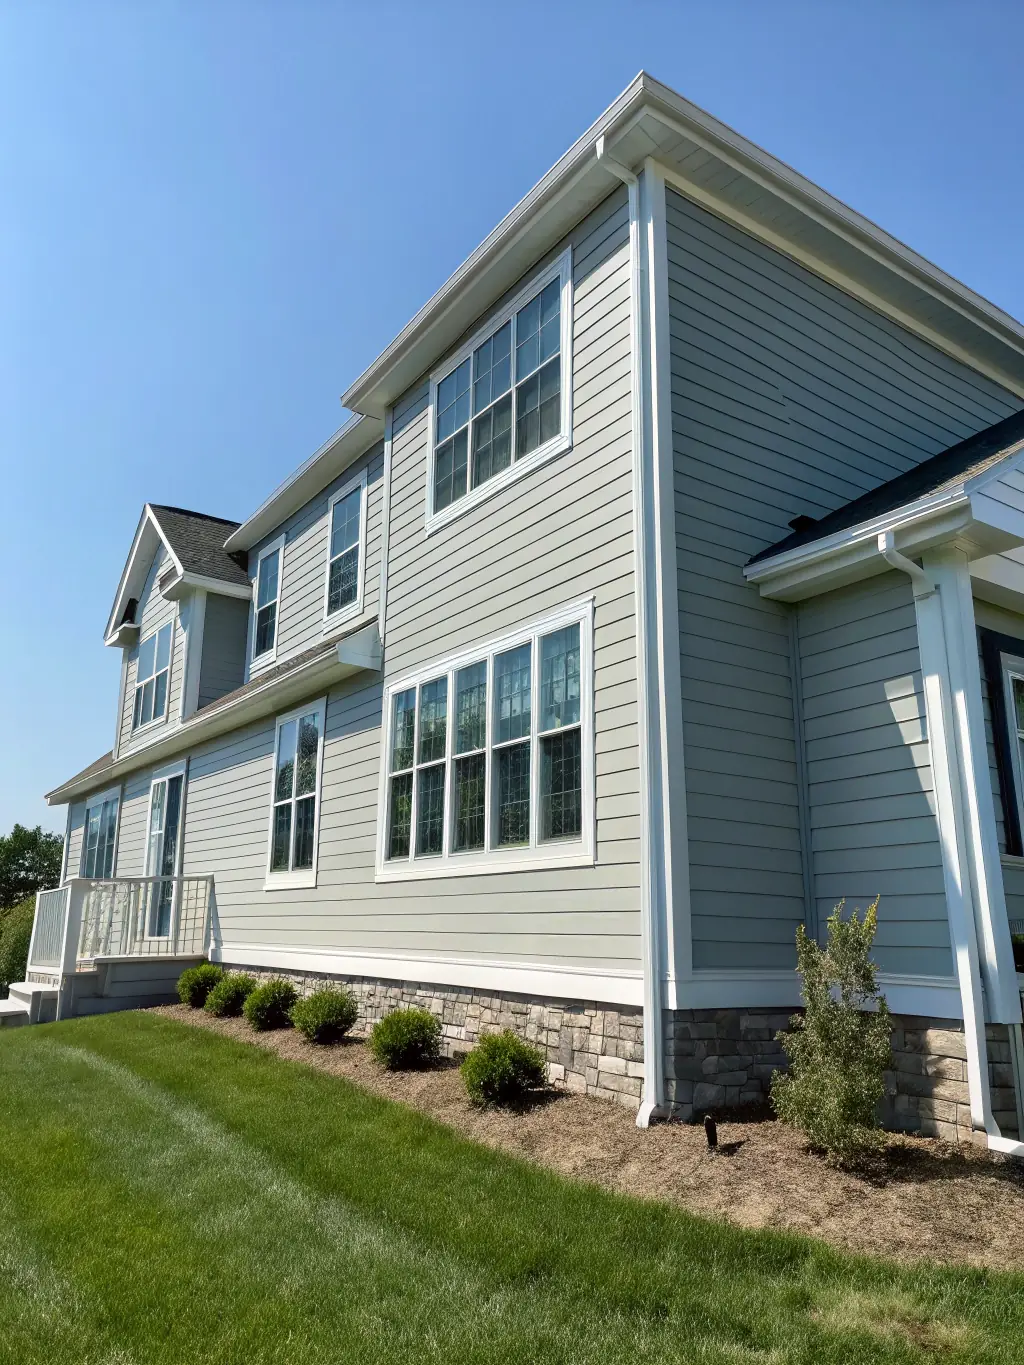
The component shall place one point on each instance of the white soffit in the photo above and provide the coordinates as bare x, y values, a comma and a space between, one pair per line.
740, 182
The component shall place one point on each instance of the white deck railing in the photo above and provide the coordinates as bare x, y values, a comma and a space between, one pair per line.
87, 919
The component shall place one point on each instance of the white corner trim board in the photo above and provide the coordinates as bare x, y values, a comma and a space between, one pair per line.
520, 978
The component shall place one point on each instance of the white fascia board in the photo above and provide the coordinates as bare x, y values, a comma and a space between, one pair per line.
184, 583
351, 655
348, 443
578, 182
147, 536
978, 523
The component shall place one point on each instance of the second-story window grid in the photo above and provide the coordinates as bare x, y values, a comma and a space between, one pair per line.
152, 677
343, 563
488, 755
268, 580
503, 401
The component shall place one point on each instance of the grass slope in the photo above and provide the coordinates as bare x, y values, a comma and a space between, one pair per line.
168, 1195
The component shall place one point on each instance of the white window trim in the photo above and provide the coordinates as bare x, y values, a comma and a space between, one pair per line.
1013, 667
557, 853
164, 774
97, 799
355, 608
304, 877
258, 664
562, 267
157, 720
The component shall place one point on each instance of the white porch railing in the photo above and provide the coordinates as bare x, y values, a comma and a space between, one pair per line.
121, 917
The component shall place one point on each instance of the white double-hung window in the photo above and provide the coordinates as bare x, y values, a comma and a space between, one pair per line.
295, 796
152, 677
266, 601
502, 404
488, 756
346, 552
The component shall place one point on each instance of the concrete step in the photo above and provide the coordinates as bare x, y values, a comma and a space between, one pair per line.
12, 1014
38, 1000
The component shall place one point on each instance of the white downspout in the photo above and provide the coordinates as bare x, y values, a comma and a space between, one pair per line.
653, 1099
935, 673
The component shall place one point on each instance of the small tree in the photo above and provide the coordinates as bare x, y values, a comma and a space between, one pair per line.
840, 1048
30, 861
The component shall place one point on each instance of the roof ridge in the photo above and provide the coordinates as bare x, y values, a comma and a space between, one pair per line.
187, 512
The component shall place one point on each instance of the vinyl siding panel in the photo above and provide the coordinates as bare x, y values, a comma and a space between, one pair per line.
131, 838
562, 532
304, 566
155, 611
789, 397
224, 634
75, 837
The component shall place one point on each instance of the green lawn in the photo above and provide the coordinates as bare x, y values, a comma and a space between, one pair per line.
169, 1195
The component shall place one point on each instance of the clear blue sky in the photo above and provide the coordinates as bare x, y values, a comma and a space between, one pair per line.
214, 215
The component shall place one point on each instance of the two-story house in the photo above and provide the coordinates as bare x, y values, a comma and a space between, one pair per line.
666, 587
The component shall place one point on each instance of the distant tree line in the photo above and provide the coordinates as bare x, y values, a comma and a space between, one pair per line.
30, 860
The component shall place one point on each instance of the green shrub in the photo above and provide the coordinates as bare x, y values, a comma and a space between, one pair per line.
196, 983
269, 1005
840, 1047
406, 1039
15, 936
230, 994
325, 1016
502, 1068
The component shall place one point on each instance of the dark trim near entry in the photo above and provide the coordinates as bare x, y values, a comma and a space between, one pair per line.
993, 647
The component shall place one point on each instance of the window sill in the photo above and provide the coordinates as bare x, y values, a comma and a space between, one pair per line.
342, 618
518, 470
290, 881
260, 665
528, 860
148, 728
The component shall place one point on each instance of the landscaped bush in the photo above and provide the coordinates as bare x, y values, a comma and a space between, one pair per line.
269, 1006
15, 936
406, 1039
502, 1068
230, 994
196, 983
325, 1016
840, 1047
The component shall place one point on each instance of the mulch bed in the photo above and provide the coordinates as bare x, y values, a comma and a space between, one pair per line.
920, 1200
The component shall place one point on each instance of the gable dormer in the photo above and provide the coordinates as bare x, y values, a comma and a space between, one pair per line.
180, 616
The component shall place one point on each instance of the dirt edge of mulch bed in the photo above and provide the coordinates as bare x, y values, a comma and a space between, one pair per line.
925, 1201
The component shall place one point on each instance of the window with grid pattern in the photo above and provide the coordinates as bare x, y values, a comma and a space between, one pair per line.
502, 401
487, 756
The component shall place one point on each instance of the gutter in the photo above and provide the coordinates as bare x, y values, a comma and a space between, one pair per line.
653, 1099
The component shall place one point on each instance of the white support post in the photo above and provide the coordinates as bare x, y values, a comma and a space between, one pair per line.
77, 892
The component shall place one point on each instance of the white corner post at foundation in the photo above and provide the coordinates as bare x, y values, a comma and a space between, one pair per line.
965, 814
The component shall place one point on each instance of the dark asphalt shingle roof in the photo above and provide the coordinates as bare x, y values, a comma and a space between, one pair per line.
963, 461
198, 541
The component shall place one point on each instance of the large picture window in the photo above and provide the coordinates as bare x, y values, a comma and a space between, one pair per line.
267, 597
346, 530
502, 404
295, 804
152, 677
489, 756
99, 835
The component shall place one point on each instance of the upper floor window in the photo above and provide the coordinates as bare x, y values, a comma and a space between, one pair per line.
99, 837
346, 522
267, 592
295, 807
489, 756
152, 677
502, 404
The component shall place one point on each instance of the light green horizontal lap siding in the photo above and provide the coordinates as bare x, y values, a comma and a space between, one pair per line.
153, 612
530, 918
224, 634
131, 836
563, 532
870, 787
788, 398
304, 572
75, 837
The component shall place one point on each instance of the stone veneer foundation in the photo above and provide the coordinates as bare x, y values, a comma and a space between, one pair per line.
714, 1059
